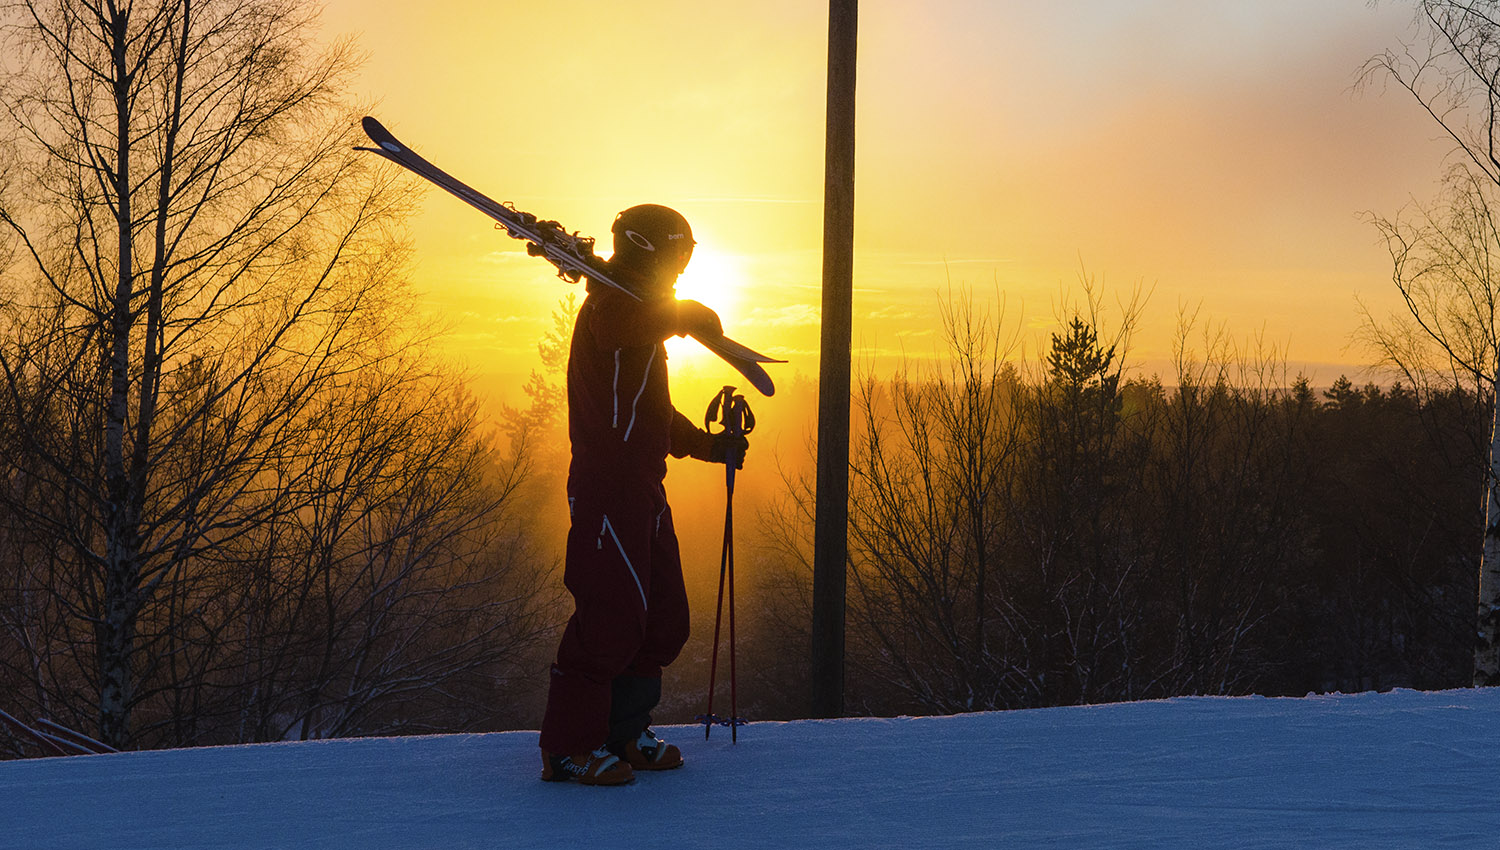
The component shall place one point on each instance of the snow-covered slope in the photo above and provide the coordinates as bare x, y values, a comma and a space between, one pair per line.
1397, 770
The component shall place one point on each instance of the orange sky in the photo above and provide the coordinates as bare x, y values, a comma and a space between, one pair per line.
1210, 150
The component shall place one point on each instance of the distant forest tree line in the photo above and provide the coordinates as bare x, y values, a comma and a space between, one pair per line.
1076, 536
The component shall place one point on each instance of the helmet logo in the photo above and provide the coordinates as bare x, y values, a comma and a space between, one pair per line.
640, 241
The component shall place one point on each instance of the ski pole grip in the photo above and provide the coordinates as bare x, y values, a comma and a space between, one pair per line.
732, 414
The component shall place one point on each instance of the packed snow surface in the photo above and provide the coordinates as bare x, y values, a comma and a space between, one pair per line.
1396, 770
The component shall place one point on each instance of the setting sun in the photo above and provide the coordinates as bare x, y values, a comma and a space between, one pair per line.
718, 280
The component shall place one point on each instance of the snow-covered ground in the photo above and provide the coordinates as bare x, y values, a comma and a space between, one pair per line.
1396, 770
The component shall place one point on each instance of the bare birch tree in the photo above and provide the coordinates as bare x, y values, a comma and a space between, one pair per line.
1444, 257
211, 318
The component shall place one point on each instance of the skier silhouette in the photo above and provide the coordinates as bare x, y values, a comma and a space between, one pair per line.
622, 566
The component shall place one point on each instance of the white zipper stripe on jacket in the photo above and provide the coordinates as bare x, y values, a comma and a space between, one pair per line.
614, 422
626, 558
644, 378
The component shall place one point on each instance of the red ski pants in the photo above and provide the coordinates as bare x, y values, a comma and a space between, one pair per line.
630, 615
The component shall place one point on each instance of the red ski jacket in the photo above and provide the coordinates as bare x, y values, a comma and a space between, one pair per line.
621, 421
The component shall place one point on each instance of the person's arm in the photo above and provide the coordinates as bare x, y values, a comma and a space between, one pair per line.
688, 440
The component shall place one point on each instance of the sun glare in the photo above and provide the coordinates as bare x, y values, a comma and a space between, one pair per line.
717, 280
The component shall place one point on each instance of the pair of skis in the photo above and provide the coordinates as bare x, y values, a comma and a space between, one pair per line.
573, 255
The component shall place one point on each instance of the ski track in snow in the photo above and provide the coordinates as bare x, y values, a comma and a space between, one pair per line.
1397, 770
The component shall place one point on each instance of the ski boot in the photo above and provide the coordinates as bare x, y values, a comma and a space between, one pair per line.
599, 767
648, 752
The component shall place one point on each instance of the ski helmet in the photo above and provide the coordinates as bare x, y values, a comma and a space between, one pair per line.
653, 237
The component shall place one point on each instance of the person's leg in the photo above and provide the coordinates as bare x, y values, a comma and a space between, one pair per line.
637, 691
632, 699
610, 588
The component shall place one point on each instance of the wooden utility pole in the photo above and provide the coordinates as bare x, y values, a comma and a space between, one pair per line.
831, 521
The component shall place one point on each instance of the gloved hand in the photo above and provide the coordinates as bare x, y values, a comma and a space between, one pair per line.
693, 317
725, 445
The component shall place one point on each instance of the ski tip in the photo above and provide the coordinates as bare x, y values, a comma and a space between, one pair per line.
745, 360
380, 135
758, 377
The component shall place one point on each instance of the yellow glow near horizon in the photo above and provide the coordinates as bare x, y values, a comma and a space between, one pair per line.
1211, 153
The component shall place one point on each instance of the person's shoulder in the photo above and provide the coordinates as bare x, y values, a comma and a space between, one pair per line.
600, 292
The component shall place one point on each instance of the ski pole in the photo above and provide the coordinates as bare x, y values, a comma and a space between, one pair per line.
733, 414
